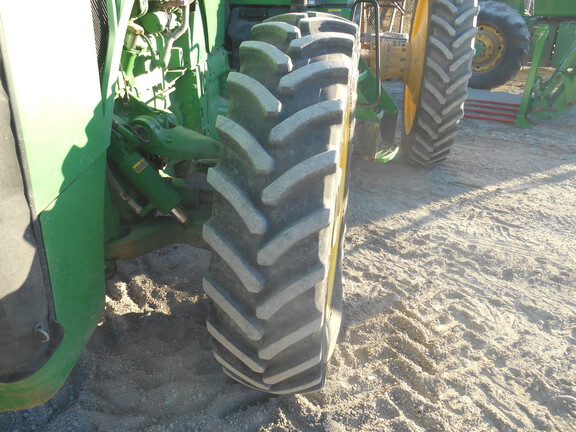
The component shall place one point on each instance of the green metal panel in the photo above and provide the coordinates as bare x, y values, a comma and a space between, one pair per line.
51, 96
367, 91
207, 32
214, 22
539, 35
516, 4
64, 126
198, 45
548, 51
565, 37
339, 10
72, 229
548, 98
336, 7
555, 8
118, 17
215, 100
561, 34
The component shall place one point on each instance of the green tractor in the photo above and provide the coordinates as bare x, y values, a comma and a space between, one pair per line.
503, 44
108, 124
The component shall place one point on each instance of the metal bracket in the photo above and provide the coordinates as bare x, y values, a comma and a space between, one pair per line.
548, 98
539, 36
378, 89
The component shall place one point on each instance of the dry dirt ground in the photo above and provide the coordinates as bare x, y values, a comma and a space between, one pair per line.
460, 310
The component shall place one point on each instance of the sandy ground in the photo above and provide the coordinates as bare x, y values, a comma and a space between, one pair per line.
459, 310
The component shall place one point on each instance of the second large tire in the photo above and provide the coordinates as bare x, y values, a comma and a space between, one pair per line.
442, 36
502, 45
280, 196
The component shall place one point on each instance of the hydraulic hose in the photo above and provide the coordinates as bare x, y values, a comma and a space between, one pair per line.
173, 36
121, 192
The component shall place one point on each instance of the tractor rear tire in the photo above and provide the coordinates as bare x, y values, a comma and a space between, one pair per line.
503, 44
442, 35
280, 195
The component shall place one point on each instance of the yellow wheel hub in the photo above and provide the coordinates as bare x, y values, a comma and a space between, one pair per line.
418, 37
489, 48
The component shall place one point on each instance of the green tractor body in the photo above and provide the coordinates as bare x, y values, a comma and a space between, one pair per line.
102, 127
52, 294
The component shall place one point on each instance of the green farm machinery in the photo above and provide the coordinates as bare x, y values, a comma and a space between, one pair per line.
107, 128
511, 32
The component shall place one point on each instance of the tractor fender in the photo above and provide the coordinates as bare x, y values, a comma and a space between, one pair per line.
29, 334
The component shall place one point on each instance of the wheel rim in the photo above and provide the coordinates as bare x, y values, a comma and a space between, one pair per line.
339, 212
334, 315
338, 218
489, 47
418, 38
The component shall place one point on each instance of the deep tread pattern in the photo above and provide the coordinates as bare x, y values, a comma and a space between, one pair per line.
328, 112
291, 236
271, 56
443, 89
266, 65
276, 186
249, 360
449, 6
325, 24
276, 34
278, 343
322, 164
271, 304
251, 380
463, 60
244, 143
516, 34
444, 25
298, 364
255, 95
252, 218
251, 279
253, 330
306, 75
314, 44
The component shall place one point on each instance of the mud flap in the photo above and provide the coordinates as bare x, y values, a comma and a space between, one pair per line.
29, 333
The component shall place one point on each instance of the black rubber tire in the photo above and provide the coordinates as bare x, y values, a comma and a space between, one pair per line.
278, 183
516, 36
444, 84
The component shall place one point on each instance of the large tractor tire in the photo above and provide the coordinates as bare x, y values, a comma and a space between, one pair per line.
280, 196
502, 45
441, 39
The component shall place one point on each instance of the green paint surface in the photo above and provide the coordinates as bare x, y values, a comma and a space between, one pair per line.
55, 98
555, 8
59, 116
73, 239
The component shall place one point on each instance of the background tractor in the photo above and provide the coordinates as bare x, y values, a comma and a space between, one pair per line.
511, 32
503, 43
219, 124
